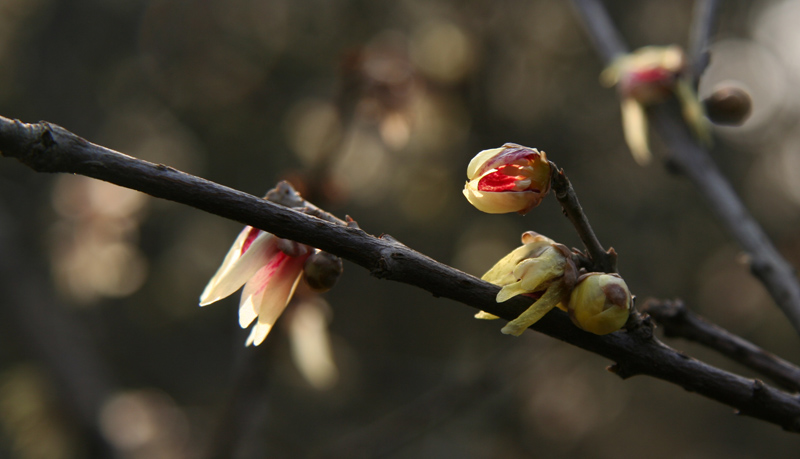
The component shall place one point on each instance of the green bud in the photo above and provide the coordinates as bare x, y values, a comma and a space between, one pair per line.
600, 303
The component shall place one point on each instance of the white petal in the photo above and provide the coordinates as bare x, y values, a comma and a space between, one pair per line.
236, 270
268, 292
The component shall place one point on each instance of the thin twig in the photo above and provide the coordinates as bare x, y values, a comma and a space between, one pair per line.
777, 275
603, 261
48, 148
704, 19
678, 321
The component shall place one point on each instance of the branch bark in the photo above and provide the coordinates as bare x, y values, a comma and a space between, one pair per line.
678, 321
48, 148
774, 272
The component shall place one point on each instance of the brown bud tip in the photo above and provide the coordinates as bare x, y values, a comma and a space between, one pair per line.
322, 270
728, 105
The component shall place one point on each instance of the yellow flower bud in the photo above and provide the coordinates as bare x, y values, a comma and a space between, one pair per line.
541, 269
600, 303
511, 178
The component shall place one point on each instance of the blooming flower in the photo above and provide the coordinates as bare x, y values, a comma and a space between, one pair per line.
541, 269
269, 268
511, 178
600, 303
648, 76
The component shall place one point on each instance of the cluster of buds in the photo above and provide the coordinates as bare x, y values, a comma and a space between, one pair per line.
511, 178
270, 269
543, 269
648, 76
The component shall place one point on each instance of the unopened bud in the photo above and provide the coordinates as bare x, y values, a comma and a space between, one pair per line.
322, 270
600, 303
728, 105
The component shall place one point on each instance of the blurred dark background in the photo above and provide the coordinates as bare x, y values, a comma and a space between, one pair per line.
373, 109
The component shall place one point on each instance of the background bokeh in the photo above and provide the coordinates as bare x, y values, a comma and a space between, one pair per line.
373, 109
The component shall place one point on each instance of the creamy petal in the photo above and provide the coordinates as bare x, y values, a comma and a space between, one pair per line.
475, 167
510, 291
501, 202
533, 314
634, 126
236, 270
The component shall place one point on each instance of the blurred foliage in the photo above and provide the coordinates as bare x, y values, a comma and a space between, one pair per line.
373, 109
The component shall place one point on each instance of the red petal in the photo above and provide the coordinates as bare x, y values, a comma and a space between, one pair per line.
497, 181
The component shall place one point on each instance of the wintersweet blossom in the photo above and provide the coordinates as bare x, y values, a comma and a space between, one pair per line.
600, 303
269, 268
648, 76
541, 269
511, 178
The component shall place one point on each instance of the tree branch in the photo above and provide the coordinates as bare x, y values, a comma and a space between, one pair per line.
777, 275
703, 21
603, 260
678, 321
48, 148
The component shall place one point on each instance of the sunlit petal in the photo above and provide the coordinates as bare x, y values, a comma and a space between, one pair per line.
237, 269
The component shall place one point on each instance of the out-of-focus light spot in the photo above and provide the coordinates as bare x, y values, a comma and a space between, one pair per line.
395, 130
363, 170
144, 424
787, 168
311, 345
442, 51
427, 193
776, 26
93, 253
483, 243
28, 418
441, 126
759, 72
313, 128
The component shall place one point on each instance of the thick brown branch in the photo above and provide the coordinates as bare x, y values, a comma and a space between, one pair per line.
678, 321
777, 275
48, 148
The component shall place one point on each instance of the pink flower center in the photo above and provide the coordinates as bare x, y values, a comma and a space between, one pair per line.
251, 236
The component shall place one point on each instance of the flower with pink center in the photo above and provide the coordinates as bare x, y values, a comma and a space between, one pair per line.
649, 76
511, 178
269, 268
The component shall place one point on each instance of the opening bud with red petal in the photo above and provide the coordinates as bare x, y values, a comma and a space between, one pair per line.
511, 178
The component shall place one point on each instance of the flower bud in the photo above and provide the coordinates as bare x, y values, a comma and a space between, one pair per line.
648, 74
541, 269
322, 270
511, 178
600, 303
728, 105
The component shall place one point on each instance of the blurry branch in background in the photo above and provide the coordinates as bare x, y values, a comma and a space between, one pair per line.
72, 367
678, 321
48, 148
685, 155
702, 27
